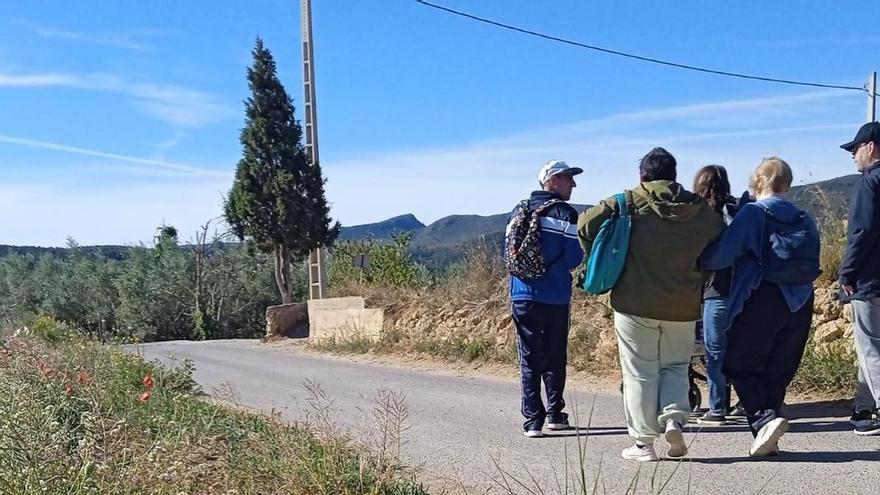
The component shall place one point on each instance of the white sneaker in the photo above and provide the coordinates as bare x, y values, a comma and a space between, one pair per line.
558, 426
675, 439
768, 436
644, 453
533, 433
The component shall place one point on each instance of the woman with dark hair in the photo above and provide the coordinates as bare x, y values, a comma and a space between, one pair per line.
712, 185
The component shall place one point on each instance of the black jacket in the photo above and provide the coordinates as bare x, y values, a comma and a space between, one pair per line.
860, 267
718, 284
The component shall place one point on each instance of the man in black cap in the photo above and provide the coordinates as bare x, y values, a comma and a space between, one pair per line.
860, 275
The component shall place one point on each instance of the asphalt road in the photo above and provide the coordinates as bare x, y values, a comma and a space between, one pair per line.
464, 429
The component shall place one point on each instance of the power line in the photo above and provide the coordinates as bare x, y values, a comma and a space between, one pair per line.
634, 56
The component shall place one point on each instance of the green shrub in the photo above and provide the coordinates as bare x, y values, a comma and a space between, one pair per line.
827, 369
200, 290
390, 265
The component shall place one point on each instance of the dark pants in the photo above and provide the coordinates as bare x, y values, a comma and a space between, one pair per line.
764, 349
542, 343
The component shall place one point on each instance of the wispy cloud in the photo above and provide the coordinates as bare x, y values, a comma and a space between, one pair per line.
177, 105
129, 38
163, 147
160, 165
486, 177
36, 80
483, 177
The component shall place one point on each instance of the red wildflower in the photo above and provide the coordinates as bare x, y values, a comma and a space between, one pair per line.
148, 382
83, 378
69, 389
144, 396
45, 369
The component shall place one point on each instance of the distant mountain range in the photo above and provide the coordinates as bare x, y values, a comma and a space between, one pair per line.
446, 240
456, 229
451, 230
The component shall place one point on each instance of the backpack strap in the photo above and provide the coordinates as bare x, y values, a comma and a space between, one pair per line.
547, 205
625, 204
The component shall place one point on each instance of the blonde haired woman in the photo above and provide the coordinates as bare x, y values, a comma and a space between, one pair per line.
773, 248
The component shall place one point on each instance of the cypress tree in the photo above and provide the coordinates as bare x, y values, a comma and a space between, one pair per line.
277, 199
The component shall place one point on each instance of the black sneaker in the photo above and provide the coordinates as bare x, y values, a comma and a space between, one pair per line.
711, 418
737, 411
868, 429
861, 418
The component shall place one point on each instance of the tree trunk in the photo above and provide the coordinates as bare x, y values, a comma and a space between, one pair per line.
282, 273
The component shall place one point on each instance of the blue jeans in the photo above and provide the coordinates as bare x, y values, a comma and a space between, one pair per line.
715, 326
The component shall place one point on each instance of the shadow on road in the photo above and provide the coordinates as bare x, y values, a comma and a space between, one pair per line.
795, 427
819, 457
817, 426
819, 409
592, 431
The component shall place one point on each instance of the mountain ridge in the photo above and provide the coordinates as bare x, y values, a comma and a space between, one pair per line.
444, 241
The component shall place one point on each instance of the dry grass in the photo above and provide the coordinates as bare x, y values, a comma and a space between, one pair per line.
465, 315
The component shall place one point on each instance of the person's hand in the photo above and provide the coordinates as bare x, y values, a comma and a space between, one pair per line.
848, 290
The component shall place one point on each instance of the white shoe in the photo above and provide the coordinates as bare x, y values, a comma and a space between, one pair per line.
533, 433
558, 426
675, 439
768, 436
645, 453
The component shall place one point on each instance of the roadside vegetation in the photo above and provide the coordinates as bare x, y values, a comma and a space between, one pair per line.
77, 417
203, 287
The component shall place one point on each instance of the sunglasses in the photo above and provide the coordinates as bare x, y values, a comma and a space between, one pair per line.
856, 148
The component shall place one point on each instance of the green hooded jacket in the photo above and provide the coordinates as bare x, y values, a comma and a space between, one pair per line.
670, 228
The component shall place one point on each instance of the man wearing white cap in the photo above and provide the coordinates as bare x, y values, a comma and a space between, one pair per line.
540, 304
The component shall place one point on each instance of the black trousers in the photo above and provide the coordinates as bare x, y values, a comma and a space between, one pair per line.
542, 343
764, 349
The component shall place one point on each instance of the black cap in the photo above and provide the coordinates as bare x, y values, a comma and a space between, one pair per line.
868, 133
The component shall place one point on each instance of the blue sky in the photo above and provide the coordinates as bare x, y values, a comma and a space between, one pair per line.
116, 117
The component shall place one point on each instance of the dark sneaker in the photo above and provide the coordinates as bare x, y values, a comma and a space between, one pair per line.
868, 429
558, 423
767, 439
861, 418
711, 418
737, 411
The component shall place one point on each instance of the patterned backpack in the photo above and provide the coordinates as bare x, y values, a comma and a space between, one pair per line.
524, 257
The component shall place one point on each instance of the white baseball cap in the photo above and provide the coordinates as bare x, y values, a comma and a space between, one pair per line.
554, 167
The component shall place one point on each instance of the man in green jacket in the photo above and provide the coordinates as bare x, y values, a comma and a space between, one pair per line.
656, 300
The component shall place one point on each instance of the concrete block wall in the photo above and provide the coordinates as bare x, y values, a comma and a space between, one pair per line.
343, 318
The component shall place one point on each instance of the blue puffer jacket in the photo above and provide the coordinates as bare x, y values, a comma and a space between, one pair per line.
562, 253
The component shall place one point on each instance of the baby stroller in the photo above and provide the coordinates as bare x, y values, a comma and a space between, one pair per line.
698, 358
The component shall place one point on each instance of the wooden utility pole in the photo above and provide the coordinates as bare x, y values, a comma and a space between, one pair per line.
317, 283
872, 92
